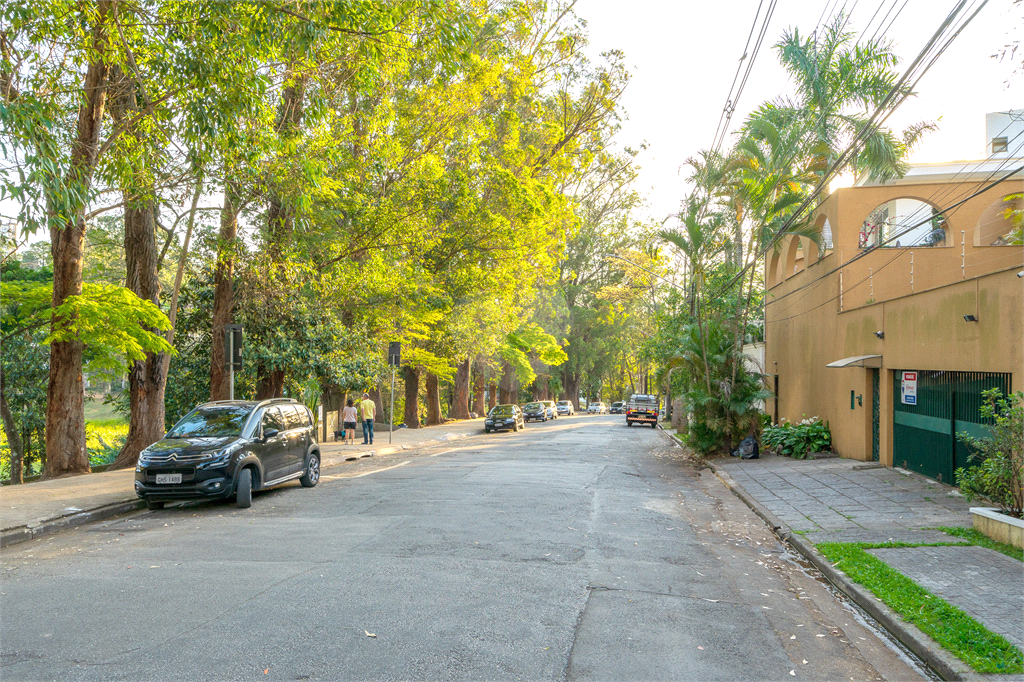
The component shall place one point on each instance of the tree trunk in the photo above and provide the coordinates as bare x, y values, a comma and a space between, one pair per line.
375, 396
460, 403
433, 401
269, 383
572, 389
507, 385
412, 396
13, 436
492, 396
65, 393
281, 215
146, 378
223, 294
478, 389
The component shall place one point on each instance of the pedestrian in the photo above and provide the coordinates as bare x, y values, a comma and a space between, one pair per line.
368, 410
348, 415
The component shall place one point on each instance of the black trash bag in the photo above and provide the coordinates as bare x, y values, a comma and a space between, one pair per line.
747, 449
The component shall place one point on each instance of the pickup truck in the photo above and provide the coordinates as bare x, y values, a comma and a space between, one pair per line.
642, 409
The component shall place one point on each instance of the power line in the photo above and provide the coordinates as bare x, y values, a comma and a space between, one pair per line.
843, 159
863, 254
931, 200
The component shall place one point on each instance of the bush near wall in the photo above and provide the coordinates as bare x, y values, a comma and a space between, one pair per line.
798, 440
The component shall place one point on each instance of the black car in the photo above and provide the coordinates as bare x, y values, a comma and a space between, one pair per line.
504, 417
539, 411
618, 408
230, 448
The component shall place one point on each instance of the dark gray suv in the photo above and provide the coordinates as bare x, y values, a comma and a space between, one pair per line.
230, 448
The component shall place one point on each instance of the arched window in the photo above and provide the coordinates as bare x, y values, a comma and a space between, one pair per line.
825, 228
1000, 224
903, 222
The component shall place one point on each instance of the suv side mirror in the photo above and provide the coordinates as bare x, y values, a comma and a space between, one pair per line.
269, 433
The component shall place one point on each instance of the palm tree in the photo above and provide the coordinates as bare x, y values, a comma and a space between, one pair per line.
839, 81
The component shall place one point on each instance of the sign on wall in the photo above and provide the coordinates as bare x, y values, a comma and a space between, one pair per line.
908, 388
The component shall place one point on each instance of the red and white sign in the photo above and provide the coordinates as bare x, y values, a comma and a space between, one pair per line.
908, 388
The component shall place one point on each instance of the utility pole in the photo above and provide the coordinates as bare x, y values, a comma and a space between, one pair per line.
394, 359
233, 346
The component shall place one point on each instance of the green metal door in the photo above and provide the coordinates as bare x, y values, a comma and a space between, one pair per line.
924, 435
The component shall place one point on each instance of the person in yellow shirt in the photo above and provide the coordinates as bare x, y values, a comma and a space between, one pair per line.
367, 410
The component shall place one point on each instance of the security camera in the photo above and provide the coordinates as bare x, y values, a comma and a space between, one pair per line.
970, 318
880, 335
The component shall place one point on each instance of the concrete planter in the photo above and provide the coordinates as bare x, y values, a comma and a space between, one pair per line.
998, 526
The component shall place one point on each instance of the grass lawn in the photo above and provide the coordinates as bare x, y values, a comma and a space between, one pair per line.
95, 410
954, 630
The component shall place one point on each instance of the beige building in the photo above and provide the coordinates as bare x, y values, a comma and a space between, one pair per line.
914, 306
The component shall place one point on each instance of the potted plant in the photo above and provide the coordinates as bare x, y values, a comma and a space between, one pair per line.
999, 468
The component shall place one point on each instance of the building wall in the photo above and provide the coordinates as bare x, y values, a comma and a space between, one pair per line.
831, 308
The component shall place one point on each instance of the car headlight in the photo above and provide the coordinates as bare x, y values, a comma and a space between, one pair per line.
223, 455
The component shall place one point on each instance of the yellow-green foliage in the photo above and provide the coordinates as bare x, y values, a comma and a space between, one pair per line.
103, 439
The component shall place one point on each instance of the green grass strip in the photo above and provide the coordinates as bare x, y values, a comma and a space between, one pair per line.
954, 630
976, 537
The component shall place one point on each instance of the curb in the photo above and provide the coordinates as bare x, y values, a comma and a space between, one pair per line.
13, 536
944, 664
19, 534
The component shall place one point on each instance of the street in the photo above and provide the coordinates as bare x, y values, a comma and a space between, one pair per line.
577, 549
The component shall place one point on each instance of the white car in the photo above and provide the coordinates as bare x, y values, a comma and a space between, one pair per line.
598, 408
565, 407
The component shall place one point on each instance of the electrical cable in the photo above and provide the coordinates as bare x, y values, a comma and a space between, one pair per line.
843, 158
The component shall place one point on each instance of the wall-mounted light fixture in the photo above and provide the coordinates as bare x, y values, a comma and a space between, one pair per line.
970, 318
880, 335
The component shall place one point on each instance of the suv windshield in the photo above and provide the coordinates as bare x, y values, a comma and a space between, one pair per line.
219, 421
502, 411
531, 406
563, 402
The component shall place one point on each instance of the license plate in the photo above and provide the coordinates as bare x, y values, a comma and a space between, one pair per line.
168, 478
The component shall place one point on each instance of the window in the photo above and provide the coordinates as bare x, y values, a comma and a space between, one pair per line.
272, 420
999, 145
293, 418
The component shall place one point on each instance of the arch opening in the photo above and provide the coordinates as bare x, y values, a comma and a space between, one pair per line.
1002, 223
903, 222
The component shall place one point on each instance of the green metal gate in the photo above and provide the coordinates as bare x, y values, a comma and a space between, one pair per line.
924, 435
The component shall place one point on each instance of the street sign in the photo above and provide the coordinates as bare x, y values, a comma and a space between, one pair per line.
233, 346
908, 388
395, 353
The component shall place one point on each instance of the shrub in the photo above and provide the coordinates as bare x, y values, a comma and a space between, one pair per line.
1000, 457
798, 440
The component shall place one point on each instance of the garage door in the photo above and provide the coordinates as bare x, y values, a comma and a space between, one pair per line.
947, 403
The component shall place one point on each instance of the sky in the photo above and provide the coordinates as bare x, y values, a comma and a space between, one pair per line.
683, 56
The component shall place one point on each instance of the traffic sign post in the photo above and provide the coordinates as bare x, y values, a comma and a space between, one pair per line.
233, 334
394, 359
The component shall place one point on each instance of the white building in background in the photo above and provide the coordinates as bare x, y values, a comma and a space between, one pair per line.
1004, 143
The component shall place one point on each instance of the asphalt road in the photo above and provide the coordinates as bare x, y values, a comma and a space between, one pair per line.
577, 549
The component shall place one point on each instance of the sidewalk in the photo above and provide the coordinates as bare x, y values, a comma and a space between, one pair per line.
35, 509
841, 500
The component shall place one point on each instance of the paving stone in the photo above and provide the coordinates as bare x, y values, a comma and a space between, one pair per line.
988, 585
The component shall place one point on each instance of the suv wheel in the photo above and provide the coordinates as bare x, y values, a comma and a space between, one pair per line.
243, 492
153, 505
312, 475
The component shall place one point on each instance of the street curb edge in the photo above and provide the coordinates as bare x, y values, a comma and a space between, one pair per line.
944, 664
13, 536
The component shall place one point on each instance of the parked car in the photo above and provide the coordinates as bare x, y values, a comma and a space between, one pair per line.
565, 407
504, 417
618, 408
552, 408
230, 448
538, 411
597, 408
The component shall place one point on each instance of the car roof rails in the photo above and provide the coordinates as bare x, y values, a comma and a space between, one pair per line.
274, 401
